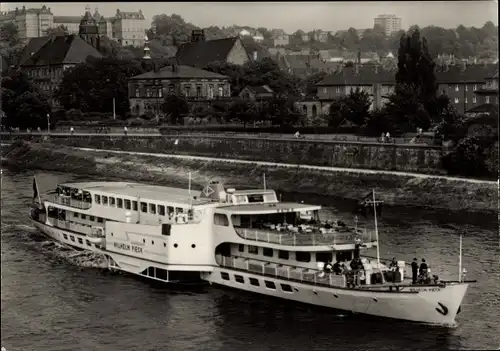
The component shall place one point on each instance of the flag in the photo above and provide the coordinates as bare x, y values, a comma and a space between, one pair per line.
35, 189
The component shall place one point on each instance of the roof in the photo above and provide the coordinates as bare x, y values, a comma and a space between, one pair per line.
62, 49
67, 19
484, 108
261, 89
157, 49
471, 74
5, 65
141, 191
32, 47
365, 75
180, 72
200, 54
251, 47
268, 208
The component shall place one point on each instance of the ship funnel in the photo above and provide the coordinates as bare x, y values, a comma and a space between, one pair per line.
214, 191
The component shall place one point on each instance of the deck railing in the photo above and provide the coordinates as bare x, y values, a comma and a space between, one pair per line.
70, 202
306, 239
304, 275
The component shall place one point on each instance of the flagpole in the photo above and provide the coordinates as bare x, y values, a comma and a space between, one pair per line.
376, 227
38, 192
190, 197
264, 181
138, 209
460, 261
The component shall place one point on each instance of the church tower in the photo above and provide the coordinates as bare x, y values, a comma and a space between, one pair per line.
89, 30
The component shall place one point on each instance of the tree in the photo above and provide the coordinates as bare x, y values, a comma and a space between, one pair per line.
354, 108
243, 110
32, 109
59, 30
173, 25
175, 107
9, 34
92, 86
282, 111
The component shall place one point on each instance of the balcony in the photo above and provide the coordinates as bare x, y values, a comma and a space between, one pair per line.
70, 202
303, 275
332, 237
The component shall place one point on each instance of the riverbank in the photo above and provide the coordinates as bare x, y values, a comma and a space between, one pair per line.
398, 190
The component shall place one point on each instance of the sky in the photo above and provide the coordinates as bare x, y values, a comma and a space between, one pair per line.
291, 16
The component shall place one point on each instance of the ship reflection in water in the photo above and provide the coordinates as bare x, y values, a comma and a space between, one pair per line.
48, 303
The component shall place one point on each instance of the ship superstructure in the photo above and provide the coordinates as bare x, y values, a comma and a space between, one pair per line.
245, 239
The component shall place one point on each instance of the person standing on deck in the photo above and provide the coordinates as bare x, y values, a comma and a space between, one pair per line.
414, 270
423, 267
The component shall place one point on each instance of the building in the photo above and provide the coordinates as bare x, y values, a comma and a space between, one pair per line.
487, 97
389, 23
147, 91
46, 58
281, 40
31, 23
256, 93
128, 28
71, 23
200, 52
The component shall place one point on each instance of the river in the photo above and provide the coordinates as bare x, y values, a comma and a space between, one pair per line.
49, 304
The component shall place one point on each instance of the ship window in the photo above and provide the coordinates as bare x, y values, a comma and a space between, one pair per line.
224, 275
303, 256
283, 254
269, 285
241, 248
75, 214
255, 198
253, 249
88, 243
134, 205
84, 216
119, 203
178, 210
104, 200
152, 208
286, 288
254, 281
72, 238
239, 279
165, 229
99, 220
111, 201
170, 210
161, 274
80, 241
344, 255
267, 252
65, 236
161, 210
144, 207
324, 257
127, 204
221, 219
97, 199
92, 218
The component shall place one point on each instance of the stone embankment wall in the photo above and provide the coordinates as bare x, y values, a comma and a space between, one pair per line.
409, 158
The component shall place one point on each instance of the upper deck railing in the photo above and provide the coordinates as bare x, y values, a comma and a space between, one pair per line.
316, 238
70, 202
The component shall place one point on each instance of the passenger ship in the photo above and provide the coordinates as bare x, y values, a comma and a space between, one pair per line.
244, 239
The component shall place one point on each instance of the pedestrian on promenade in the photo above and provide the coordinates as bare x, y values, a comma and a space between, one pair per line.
125, 130
72, 130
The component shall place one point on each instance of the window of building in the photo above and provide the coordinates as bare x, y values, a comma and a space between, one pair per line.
253, 249
266, 251
80, 241
161, 210
302, 256
283, 254
144, 207
88, 243
466, 100
148, 92
286, 288
65, 236
119, 203
241, 248
221, 91
134, 206
325, 90
198, 91
100, 220
239, 279
137, 92
72, 238
186, 90
127, 204
466, 87
221, 219
104, 200
457, 100
160, 92
75, 214
474, 87
457, 87
269, 285
254, 282
91, 218
152, 208
224, 275
474, 100
487, 99
211, 91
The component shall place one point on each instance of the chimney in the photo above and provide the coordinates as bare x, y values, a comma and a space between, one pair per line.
174, 68
359, 57
197, 35
255, 55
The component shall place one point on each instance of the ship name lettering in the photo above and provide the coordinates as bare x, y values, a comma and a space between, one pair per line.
137, 249
284, 210
122, 246
425, 289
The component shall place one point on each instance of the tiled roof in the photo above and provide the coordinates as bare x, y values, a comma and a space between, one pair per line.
365, 75
250, 48
200, 54
32, 47
62, 49
67, 19
484, 108
179, 73
261, 89
472, 74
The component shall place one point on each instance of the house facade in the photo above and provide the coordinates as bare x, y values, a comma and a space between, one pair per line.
256, 93
31, 23
128, 28
147, 91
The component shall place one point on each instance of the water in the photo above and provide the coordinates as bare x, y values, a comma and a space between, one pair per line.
49, 303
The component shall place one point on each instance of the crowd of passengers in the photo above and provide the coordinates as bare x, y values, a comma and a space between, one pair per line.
355, 271
304, 226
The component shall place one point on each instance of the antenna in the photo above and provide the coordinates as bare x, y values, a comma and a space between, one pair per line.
264, 181
460, 261
376, 227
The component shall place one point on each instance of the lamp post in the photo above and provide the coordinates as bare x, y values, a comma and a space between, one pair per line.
48, 123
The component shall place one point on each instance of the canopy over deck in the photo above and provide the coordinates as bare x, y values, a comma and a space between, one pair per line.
259, 208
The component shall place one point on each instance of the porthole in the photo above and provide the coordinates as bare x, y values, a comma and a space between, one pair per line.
152, 242
193, 246
164, 244
175, 245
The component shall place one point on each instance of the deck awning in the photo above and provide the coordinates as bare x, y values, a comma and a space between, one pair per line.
255, 209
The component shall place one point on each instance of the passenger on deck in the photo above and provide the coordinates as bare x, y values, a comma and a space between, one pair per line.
414, 270
337, 269
328, 267
394, 264
423, 267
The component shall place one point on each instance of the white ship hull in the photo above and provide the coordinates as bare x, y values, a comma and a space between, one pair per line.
417, 307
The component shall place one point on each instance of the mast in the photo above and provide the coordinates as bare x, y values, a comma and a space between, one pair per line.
138, 209
460, 261
376, 227
264, 181
189, 187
